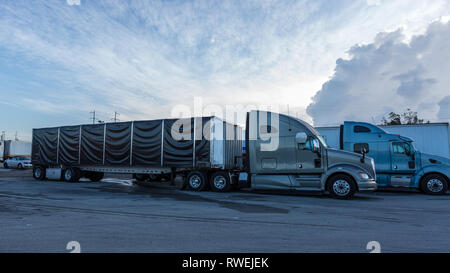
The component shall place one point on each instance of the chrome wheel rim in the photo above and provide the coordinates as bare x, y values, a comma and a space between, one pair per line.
341, 187
37, 172
195, 181
220, 182
435, 185
68, 175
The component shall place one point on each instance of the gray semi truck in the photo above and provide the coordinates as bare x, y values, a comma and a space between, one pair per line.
282, 153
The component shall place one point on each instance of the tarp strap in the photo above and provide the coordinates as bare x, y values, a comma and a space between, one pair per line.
57, 147
131, 144
104, 143
79, 148
162, 143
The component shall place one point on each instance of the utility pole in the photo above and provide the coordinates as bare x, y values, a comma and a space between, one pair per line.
93, 116
16, 137
116, 114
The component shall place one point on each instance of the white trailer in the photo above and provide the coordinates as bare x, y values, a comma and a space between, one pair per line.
430, 138
10, 148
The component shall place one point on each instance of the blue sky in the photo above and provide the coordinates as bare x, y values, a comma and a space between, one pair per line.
58, 61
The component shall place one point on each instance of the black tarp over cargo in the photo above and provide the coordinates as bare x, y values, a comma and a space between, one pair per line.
159, 143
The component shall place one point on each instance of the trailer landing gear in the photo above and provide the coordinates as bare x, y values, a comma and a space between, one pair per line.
94, 176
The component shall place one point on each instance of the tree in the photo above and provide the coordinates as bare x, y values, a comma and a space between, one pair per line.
409, 117
394, 119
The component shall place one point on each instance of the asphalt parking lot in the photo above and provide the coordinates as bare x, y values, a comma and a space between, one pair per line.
116, 215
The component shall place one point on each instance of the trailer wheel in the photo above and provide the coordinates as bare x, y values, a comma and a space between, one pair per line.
434, 184
220, 181
196, 180
341, 186
39, 173
71, 175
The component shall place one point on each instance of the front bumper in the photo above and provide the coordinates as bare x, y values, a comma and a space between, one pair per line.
28, 165
367, 185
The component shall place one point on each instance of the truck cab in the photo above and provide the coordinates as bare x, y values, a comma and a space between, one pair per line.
287, 153
397, 162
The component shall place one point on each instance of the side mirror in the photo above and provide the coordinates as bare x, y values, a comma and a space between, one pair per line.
364, 152
301, 138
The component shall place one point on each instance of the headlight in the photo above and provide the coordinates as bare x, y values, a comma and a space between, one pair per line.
364, 176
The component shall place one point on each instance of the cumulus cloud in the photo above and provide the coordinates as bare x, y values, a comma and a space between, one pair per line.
58, 61
390, 74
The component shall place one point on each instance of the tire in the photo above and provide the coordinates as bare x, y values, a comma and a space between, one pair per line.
71, 175
196, 181
5, 165
434, 184
20, 166
39, 173
220, 182
341, 186
96, 176
140, 177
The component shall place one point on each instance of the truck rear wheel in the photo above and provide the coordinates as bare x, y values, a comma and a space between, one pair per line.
71, 174
39, 173
196, 180
220, 181
341, 186
434, 184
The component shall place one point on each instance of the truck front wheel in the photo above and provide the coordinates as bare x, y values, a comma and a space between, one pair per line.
220, 182
434, 184
39, 173
196, 180
341, 186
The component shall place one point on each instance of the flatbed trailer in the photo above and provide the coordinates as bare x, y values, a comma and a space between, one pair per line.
150, 150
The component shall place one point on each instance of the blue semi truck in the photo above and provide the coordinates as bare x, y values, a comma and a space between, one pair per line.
397, 162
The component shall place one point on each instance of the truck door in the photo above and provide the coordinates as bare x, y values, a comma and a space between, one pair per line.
402, 164
309, 158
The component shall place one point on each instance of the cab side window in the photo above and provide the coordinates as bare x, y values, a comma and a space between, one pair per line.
361, 129
305, 146
399, 148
